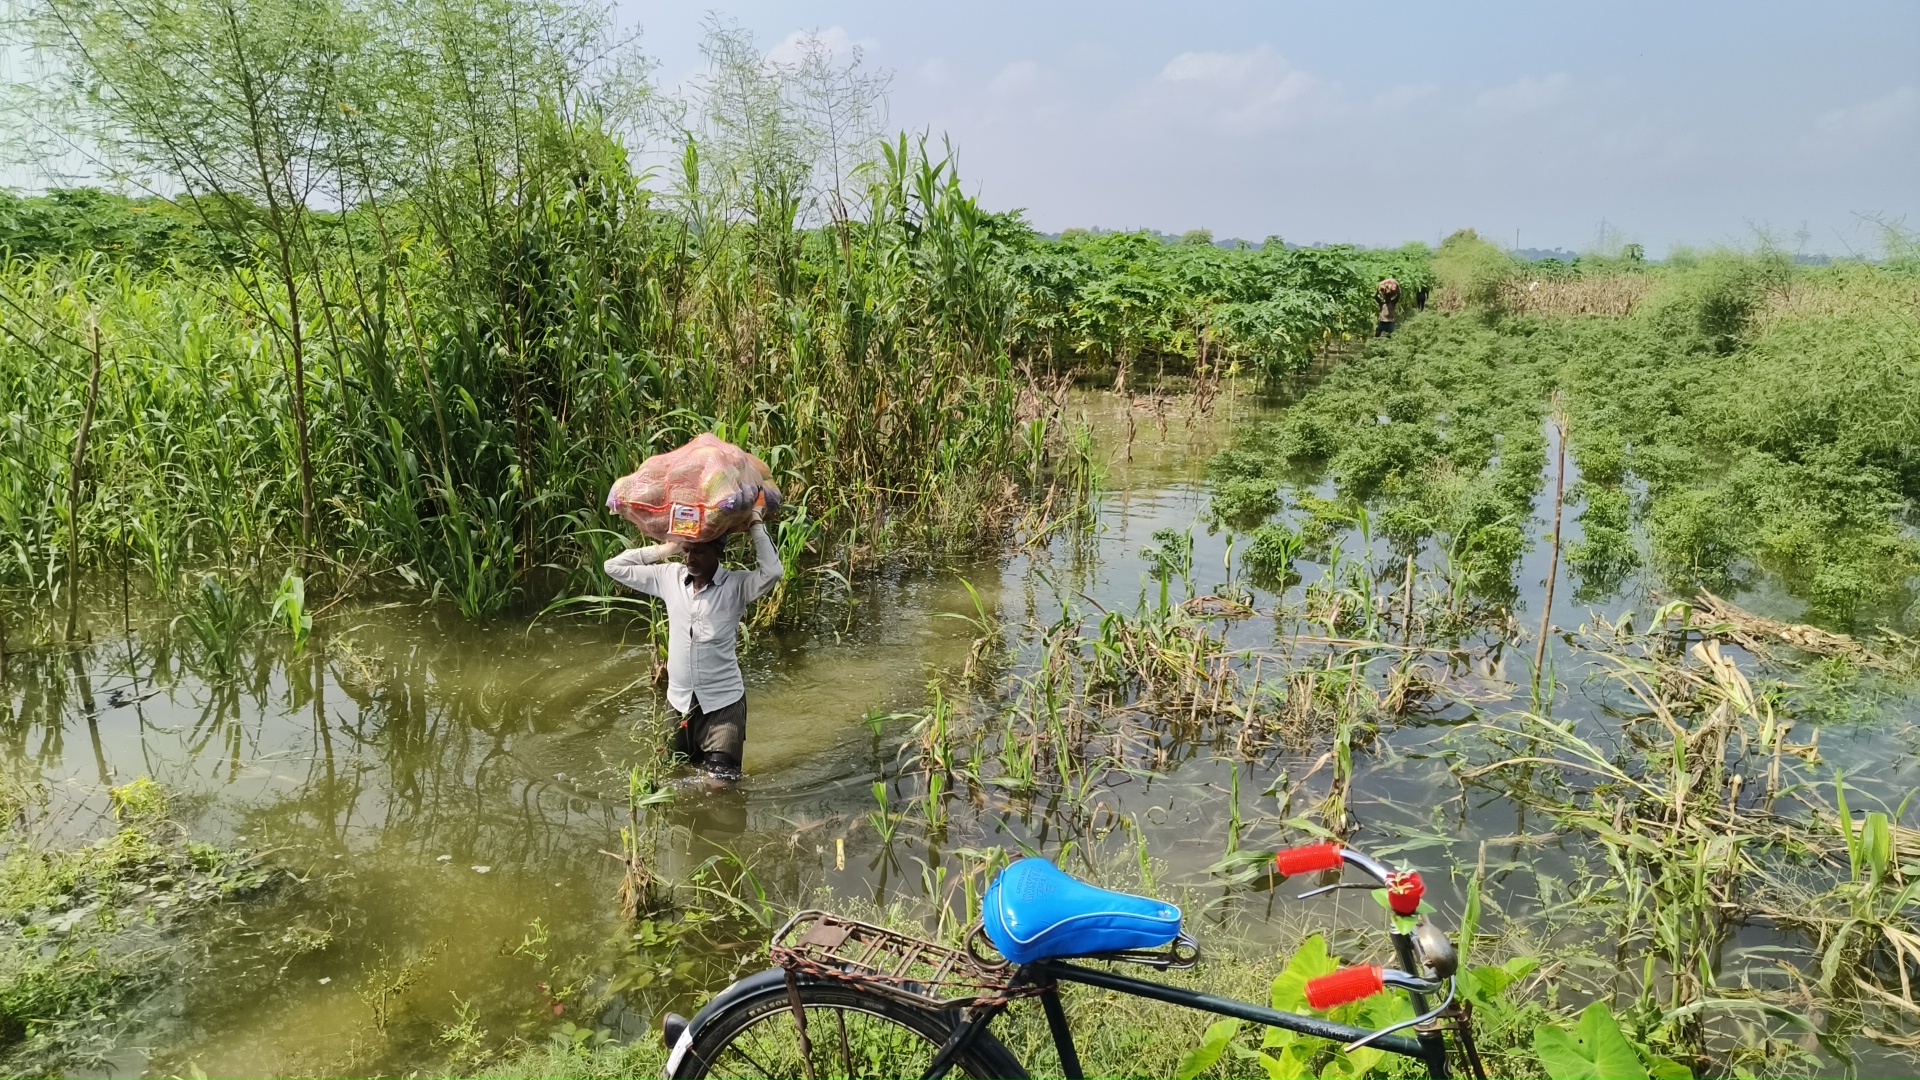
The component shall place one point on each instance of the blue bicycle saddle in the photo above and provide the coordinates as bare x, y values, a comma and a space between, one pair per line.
1033, 911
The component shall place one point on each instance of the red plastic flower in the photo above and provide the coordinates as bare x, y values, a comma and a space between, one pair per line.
1404, 892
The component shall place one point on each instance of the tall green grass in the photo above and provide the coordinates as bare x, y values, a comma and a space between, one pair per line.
418, 300
464, 432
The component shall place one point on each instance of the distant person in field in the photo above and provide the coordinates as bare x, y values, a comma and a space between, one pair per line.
1389, 296
1420, 298
705, 602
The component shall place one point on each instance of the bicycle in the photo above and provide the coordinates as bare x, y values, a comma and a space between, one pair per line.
847, 998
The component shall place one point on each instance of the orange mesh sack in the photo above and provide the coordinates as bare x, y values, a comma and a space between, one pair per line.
703, 491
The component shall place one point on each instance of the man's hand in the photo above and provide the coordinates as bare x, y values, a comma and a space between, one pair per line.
675, 549
759, 515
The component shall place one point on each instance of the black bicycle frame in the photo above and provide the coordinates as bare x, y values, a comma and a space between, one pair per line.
1431, 1050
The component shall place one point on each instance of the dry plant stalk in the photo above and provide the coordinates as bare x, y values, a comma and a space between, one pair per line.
1754, 632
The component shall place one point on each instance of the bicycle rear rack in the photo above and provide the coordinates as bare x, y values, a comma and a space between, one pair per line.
879, 961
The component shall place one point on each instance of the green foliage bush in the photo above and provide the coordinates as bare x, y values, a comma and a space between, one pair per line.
1472, 269
1114, 298
1717, 295
1605, 553
1438, 431
1270, 555
75, 222
1243, 500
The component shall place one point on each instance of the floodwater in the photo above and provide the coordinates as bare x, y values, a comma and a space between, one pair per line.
447, 794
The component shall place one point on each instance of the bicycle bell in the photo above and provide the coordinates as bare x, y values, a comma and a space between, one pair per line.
1436, 951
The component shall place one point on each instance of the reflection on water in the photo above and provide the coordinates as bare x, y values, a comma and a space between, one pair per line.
448, 795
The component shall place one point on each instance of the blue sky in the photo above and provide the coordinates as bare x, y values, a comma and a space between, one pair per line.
1675, 123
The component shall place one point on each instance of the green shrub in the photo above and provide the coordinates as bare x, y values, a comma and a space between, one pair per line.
1270, 555
1243, 500
1472, 269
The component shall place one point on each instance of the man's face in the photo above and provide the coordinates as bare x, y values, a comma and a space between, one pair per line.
703, 560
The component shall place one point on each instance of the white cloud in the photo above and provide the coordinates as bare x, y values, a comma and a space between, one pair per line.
1396, 98
1021, 79
1872, 118
839, 44
1321, 147
1526, 95
1234, 91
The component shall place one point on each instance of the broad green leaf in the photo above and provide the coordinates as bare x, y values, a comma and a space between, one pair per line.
1205, 1056
1664, 1068
1310, 961
1293, 1064
1348, 1065
1482, 984
1521, 966
1594, 1050
1277, 1038
1371, 1013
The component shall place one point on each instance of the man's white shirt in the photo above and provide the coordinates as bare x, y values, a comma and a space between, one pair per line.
703, 625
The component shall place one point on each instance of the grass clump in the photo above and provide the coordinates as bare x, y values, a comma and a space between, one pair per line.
84, 928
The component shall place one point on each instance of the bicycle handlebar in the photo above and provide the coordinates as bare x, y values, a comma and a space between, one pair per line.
1315, 858
1359, 983
1312, 859
1345, 985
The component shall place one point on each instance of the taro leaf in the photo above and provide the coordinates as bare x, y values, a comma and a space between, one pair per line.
1375, 1013
1310, 961
1290, 1065
1665, 1068
1483, 984
1594, 1050
1212, 1045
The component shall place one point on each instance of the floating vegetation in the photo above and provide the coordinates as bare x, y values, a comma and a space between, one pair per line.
91, 927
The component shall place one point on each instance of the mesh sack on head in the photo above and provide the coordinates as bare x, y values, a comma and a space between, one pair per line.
702, 492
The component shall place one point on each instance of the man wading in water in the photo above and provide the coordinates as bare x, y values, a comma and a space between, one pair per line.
705, 602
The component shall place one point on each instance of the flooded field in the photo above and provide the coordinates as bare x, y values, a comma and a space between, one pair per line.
445, 798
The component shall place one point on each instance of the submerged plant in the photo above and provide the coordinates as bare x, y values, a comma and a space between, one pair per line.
220, 619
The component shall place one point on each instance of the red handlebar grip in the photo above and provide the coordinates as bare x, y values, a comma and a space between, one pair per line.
1311, 859
1347, 984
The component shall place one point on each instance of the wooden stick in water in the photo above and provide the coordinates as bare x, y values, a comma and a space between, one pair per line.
73, 490
1553, 568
